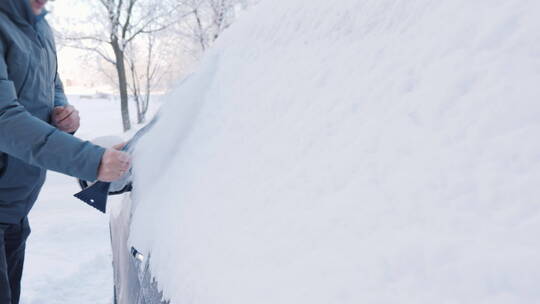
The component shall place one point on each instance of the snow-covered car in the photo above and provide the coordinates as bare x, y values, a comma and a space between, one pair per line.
345, 152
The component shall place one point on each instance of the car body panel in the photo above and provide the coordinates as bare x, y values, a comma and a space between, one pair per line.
132, 276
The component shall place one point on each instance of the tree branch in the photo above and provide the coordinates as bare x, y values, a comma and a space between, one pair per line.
95, 50
129, 13
85, 38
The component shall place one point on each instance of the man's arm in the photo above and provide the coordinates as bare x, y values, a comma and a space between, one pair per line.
38, 143
60, 99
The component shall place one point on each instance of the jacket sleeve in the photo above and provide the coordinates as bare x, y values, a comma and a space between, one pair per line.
36, 142
60, 98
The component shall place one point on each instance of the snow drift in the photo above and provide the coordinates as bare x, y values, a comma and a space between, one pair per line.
374, 151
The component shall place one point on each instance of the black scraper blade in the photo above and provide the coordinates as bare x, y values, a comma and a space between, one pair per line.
95, 195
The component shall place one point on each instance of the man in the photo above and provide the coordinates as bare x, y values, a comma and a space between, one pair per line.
35, 120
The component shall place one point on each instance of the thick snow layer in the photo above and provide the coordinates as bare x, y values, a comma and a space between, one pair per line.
375, 151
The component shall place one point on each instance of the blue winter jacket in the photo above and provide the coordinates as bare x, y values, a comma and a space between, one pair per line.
29, 90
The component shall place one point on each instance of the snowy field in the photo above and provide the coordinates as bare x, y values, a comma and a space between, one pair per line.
345, 152
68, 253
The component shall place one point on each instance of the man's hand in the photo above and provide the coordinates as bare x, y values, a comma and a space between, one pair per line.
114, 164
66, 118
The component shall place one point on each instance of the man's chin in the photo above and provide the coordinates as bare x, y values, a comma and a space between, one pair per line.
37, 12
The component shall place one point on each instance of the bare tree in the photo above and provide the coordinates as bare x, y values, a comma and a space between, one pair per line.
223, 13
130, 36
143, 83
207, 20
122, 22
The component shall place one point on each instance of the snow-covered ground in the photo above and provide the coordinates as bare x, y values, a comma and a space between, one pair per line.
374, 151
69, 253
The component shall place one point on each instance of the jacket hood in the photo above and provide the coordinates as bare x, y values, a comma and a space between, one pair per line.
19, 11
